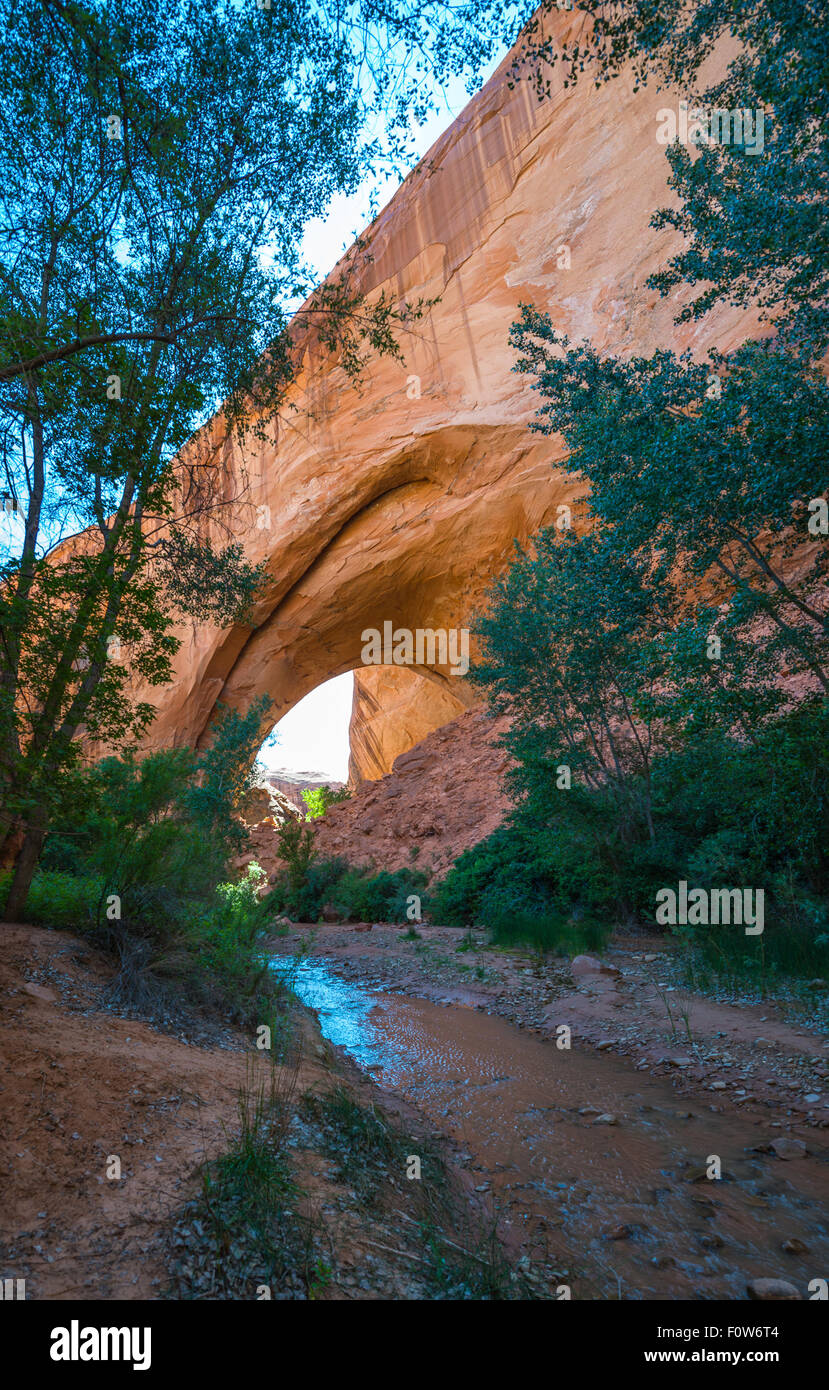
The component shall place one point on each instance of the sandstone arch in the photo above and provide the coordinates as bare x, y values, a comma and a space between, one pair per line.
402, 500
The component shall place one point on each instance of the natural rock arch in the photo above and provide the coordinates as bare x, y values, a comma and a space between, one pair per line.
401, 501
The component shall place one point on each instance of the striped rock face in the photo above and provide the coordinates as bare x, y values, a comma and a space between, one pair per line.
399, 502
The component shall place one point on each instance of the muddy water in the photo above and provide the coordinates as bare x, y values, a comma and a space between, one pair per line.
612, 1210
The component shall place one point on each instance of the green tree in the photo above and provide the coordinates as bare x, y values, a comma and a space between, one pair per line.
690, 627
318, 799
706, 469
160, 162
569, 653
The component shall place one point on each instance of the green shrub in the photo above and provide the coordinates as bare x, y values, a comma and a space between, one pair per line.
354, 894
550, 931
318, 799
223, 953
139, 863
361, 897
295, 847
242, 1229
726, 814
60, 899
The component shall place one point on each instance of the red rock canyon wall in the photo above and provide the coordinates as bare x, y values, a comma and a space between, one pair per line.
401, 501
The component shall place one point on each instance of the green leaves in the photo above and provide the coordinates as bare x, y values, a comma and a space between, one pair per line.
206, 583
160, 161
754, 223
675, 658
702, 472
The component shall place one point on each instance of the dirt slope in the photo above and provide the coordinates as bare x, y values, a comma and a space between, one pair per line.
440, 798
80, 1084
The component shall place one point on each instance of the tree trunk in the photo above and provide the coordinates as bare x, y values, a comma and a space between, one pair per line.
7, 827
24, 870
11, 840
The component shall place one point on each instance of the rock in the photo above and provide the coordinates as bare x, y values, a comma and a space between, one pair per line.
261, 803
813, 1099
788, 1148
590, 1110
794, 1246
718, 1085
606, 1119
585, 965
365, 493
617, 1232
330, 913
291, 785
46, 996
766, 1290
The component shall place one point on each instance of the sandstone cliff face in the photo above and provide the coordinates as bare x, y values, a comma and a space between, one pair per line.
393, 709
399, 502
441, 798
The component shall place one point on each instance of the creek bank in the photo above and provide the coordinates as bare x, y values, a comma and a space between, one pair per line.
635, 1006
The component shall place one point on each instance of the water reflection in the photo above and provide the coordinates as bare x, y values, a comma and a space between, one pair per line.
345, 1010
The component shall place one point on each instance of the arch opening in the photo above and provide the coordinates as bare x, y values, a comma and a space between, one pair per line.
351, 727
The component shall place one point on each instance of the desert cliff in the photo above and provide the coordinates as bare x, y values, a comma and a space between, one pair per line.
397, 502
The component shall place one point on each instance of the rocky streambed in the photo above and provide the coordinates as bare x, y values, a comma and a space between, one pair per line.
632, 1140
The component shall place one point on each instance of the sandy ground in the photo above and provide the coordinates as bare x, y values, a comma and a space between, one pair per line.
80, 1085
597, 1158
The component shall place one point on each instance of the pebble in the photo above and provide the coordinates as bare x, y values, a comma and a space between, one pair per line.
767, 1289
605, 1120
788, 1148
795, 1247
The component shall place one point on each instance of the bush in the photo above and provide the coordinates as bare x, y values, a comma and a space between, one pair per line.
318, 799
139, 863
505, 873
242, 1229
60, 899
354, 894
726, 814
549, 931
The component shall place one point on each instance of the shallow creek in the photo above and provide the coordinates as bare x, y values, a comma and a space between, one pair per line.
621, 1209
